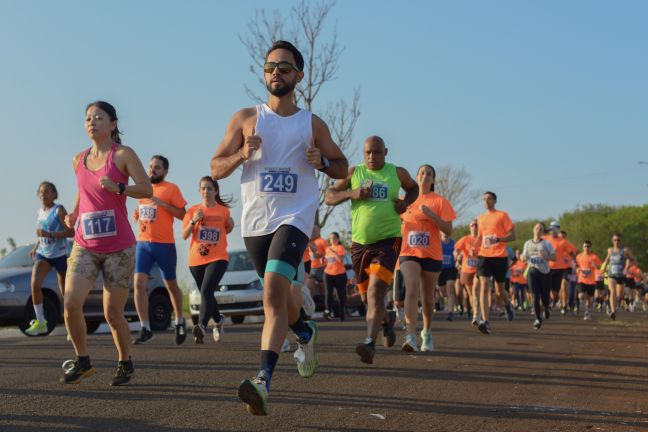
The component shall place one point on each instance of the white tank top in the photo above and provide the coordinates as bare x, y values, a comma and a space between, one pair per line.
278, 185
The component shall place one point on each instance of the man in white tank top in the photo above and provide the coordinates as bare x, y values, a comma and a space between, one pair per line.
279, 146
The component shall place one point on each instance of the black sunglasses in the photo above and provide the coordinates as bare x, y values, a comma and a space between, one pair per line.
284, 67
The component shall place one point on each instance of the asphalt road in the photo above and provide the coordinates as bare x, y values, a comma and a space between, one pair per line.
569, 376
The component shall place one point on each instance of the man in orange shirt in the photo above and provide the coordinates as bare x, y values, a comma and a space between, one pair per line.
561, 267
495, 229
587, 263
155, 243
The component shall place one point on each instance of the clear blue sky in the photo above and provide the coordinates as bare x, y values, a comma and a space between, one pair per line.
546, 103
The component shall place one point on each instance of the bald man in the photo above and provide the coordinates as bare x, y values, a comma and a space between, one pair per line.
373, 188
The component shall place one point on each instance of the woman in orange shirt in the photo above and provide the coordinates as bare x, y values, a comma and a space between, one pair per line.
421, 255
208, 224
335, 275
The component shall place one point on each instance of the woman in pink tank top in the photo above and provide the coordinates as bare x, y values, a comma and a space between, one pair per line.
103, 241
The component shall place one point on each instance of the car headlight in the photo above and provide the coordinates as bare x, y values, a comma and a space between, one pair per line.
256, 285
6, 287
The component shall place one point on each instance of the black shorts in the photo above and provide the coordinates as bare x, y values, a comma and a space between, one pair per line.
630, 283
399, 286
600, 286
621, 280
281, 252
556, 279
567, 273
383, 253
493, 267
447, 275
307, 267
586, 288
427, 264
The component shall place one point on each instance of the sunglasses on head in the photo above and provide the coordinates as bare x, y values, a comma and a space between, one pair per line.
284, 67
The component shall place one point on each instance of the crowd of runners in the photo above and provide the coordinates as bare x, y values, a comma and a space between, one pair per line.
405, 261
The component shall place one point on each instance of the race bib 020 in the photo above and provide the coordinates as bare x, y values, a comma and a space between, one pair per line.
418, 239
281, 181
147, 213
98, 224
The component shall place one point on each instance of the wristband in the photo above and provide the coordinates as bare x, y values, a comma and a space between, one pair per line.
122, 189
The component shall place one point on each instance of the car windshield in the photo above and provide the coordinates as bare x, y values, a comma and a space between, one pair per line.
18, 257
239, 261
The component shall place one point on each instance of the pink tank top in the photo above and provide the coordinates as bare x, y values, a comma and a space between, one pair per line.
103, 225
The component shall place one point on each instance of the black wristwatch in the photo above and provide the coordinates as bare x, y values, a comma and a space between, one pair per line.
325, 164
122, 189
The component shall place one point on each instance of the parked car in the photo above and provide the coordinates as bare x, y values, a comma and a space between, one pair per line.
16, 303
240, 292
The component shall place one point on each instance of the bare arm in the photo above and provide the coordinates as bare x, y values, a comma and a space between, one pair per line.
605, 261
445, 226
509, 237
238, 144
177, 212
411, 190
229, 225
323, 146
129, 163
340, 192
68, 231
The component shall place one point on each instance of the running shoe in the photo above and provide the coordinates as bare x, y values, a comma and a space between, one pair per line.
305, 355
199, 334
327, 315
613, 316
510, 313
450, 316
75, 371
586, 317
285, 347
537, 324
563, 311
123, 373
218, 329
145, 335
484, 327
180, 332
426, 341
366, 350
254, 393
410, 343
36, 327
389, 336
547, 313
475, 321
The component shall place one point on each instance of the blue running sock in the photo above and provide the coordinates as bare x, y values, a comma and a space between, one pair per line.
268, 363
303, 331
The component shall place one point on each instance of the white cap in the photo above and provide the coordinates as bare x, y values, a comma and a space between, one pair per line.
554, 225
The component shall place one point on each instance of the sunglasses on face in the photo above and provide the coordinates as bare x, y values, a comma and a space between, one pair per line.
284, 67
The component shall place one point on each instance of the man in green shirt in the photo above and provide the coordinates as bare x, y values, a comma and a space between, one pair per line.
373, 188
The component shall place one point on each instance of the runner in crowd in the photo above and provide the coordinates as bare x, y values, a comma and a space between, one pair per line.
104, 240
560, 267
156, 244
335, 277
422, 254
448, 276
519, 281
208, 224
601, 295
537, 253
398, 296
495, 229
466, 253
373, 188
635, 276
317, 250
587, 262
279, 146
50, 251
570, 279
619, 259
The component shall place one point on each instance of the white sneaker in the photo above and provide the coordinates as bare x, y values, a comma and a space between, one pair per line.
586, 317
218, 329
285, 347
426, 345
410, 344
